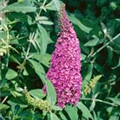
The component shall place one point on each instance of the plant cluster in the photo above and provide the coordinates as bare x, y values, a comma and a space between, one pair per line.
29, 47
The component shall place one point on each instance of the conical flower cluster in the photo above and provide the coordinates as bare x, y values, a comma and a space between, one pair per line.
65, 68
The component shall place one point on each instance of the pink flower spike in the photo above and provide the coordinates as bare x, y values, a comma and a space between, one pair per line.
64, 71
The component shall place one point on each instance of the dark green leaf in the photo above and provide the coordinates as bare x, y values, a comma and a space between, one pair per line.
15, 102
118, 65
27, 115
38, 69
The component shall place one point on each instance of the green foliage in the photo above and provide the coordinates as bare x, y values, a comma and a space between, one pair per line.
72, 112
85, 111
53, 117
37, 93
87, 89
28, 32
24, 7
51, 94
40, 104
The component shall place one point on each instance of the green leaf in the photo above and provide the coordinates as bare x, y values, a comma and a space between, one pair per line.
85, 110
110, 56
77, 22
62, 116
27, 115
5, 93
24, 7
38, 69
20, 0
93, 42
85, 50
15, 93
51, 93
46, 22
15, 102
114, 117
95, 116
3, 35
11, 74
37, 93
99, 68
53, 116
72, 112
46, 60
41, 18
51, 6
56, 108
83, 56
88, 74
115, 100
44, 39
3, 107
57, 4
104, 28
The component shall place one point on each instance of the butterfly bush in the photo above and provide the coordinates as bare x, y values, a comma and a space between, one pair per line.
64, 71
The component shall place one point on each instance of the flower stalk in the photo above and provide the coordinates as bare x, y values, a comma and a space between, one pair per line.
64, 71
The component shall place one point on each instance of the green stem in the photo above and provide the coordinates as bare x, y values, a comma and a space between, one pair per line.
4, 99
42, 6
105, 45
25, 59
98, 100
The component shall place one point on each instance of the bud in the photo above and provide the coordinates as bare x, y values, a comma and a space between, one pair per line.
40, 104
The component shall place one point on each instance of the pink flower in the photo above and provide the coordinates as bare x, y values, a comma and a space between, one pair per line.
65, 68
